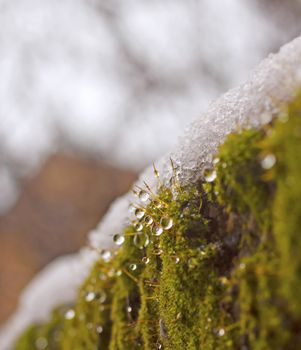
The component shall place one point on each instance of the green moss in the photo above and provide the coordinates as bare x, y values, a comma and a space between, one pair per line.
225, 275
44, 336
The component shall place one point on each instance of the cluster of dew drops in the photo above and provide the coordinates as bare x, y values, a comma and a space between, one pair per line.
140, 240
144, 218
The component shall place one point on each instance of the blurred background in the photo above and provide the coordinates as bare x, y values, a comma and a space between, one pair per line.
91, 91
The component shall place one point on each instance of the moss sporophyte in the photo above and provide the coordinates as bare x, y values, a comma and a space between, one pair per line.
215, 265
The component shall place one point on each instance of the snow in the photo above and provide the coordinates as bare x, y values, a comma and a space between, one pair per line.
274, 82
53, 286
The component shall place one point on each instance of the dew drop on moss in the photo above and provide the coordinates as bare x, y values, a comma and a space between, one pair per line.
166, 223
209, 175
157, 204
90, 296
175, 259
138, 226
106, 255
139, 213
132, 208
133, 267
157, 230
216, 160
221, 332
70, 314
101, 296
148, 220
129, 309
118, 239
158, 252
99, 329
111, 272
41, 343
89, 325
143, 196
268, 161
145, 260
242, 266
202, 250
118, 273
141, 240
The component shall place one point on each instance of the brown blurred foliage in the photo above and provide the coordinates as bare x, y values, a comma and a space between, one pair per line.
52, 217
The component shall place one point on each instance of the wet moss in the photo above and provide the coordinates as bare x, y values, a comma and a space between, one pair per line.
224, 273
43, 336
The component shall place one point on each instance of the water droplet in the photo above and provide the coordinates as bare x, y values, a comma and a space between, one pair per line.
158, 252
202, 250
175, 259
141, 240
111, 272
145, 260
129, 309
143, 196
132, 208
148, 220
106, 255
133, 267
90, 296
41, 343
268, 161
209, 174
118, 239
159, 345
101, 296
166, 223
242, 266
99, 329
221, 332
215, 160
157, 230
138, 226
139, 213
157, 204
118, 273
70, 314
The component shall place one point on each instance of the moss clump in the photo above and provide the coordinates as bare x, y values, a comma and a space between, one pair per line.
44, 336
213, 266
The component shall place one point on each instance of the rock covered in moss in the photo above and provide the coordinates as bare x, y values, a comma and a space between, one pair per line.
274, 83
208, 266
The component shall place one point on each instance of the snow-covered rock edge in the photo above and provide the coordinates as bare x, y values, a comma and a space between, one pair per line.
275, 81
